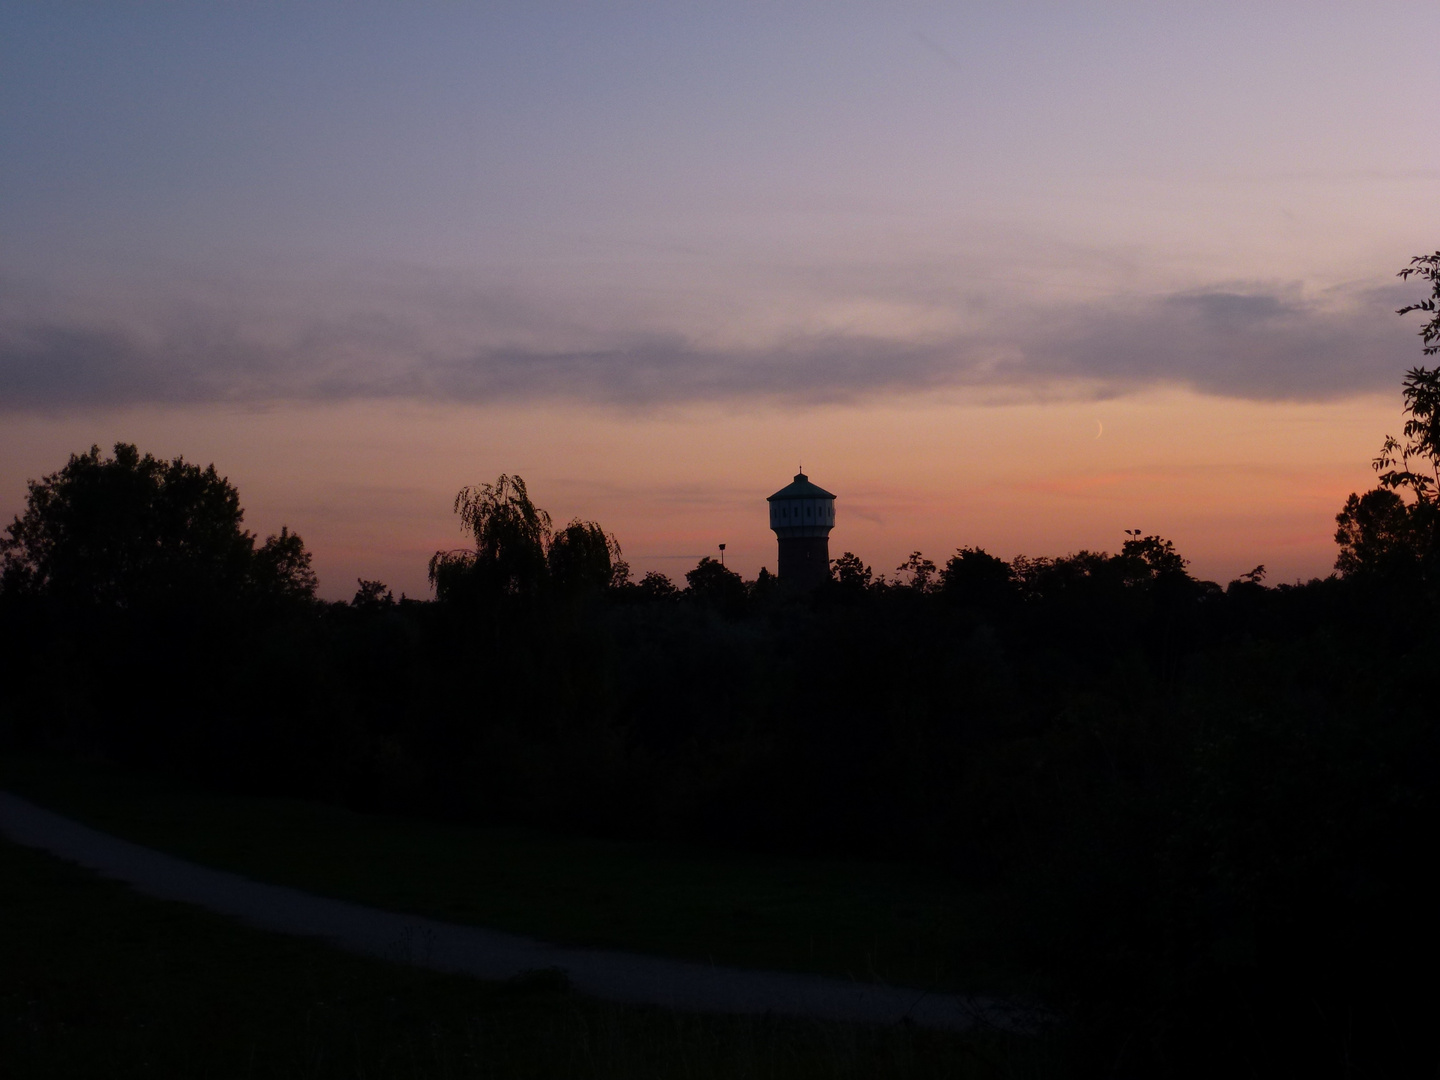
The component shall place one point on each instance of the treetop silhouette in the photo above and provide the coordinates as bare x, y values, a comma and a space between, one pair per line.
133, 531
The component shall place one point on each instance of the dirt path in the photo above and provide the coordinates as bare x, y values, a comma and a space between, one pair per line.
488, 954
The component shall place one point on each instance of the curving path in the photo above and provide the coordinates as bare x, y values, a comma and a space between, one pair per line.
488, 954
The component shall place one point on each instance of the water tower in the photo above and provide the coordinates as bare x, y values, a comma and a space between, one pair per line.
802, 515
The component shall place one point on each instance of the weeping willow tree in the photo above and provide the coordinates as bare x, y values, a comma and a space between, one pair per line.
518, 555
584, 559
511, 535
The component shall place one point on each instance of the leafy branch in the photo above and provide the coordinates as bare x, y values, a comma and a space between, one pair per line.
1414, 464
1426, 268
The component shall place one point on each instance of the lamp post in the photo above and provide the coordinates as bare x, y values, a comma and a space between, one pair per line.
722, 554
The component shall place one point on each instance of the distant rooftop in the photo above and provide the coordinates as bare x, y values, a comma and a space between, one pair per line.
802, 488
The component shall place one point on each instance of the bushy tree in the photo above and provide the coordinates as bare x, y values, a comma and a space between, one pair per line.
656, 586
765, 586
372, 596
851, 573
131, 530
1413, 464
1380, 534
282, 568
716, 585
922, 575
1152, 557
1047, 578
583, 558
974, 577
1379, 530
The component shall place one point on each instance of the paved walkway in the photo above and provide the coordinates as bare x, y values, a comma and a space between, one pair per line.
488, 954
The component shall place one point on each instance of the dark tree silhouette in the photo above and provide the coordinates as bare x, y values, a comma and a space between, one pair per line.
372, 595
1380, 535
851, 573
973, 576
765, 586
583, 558
1426, 268
1371, 527
132, 530
511, 536
282, 568
1422, 399
1414, 465
656, 586
1152, 556
922, 573
716, 585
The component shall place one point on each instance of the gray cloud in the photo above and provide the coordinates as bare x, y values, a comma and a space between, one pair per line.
1253, 344
1259, 343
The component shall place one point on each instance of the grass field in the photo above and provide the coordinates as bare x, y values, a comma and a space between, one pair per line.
98, 981
868, 921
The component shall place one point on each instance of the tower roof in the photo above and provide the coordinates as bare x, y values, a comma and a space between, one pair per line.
802, 488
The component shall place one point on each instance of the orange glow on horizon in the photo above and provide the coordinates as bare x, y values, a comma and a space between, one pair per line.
370, 486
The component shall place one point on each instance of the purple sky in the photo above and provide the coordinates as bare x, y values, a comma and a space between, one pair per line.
713, 239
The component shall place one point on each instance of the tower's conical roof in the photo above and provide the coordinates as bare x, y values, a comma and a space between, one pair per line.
802, 488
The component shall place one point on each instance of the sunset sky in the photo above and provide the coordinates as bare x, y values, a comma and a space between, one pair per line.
1013, 275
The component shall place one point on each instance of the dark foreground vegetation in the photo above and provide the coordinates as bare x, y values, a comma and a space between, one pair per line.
96, 981
872, 920
1211, 809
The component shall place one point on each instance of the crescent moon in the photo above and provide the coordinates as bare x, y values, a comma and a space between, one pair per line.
1100, 429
